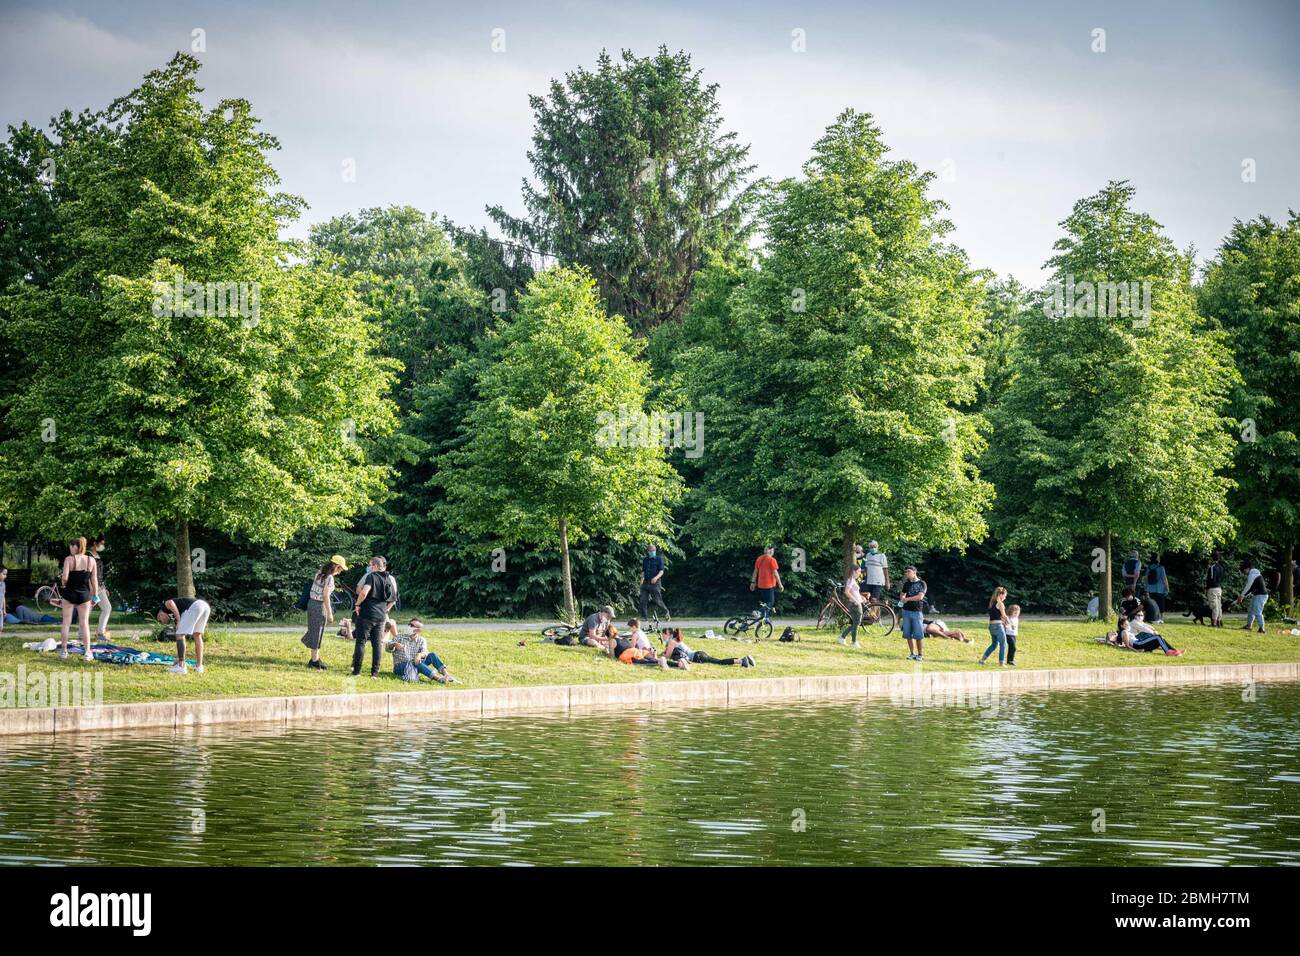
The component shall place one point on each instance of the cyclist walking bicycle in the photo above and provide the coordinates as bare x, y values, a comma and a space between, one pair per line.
766, 579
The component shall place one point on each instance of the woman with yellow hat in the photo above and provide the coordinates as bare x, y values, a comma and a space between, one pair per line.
320, 610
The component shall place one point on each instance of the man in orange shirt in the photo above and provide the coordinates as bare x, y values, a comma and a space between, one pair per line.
766, 579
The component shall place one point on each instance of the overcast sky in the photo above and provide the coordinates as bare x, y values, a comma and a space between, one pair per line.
1007, 101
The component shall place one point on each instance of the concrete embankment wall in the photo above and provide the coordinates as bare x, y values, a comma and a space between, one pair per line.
912, 687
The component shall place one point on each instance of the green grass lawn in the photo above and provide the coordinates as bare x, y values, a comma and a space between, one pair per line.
252, 664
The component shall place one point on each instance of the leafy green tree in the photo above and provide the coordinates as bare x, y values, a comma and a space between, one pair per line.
833, 389
1253, 289
538, 464
635, 180
1115, 424
412, 276
181, 368
1004, 301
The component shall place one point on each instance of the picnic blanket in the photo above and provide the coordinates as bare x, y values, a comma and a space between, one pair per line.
107, 653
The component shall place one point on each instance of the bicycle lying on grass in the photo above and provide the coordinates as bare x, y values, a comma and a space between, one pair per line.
835, 612
561, 632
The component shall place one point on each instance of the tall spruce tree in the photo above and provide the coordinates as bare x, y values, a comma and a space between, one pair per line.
635, 180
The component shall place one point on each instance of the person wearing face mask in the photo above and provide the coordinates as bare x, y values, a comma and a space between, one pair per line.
875, 569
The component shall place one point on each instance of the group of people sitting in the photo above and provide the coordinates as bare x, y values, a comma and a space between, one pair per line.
633, 646
1132, 629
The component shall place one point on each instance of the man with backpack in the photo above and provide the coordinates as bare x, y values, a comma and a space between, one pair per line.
1158, 586
376, 596
1132, 570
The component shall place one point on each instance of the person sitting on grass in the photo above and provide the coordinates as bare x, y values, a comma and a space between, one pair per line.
595, 628
627, 649
411, 655
678, 654
940, 629
1136, 634
642, 643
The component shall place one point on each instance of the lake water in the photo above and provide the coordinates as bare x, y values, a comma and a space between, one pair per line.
1177, 776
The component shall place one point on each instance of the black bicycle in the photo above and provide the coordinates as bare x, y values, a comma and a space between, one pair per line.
559, 632
756, 621
341, 597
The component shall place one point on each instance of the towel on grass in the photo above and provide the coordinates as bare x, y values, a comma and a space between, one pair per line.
107, 653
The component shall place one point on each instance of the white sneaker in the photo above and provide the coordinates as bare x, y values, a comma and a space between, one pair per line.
198, 668
177, 669
856, 644
843, 640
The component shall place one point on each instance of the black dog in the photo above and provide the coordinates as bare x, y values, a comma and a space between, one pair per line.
1200, 614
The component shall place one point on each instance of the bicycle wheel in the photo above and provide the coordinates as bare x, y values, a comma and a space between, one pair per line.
45, 595
734, 625
763, 629
884, 619
341, 598
556, 631
827, 616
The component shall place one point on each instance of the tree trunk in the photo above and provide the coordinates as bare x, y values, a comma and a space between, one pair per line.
1104, 605
847, 549
184, 570
570, 613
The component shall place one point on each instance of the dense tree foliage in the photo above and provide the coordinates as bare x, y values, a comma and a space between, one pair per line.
407, 386
1252, 289
634, 179
179, 367
1115, 424
538, 465
832, 391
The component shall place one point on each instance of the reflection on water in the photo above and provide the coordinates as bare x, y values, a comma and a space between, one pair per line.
1104, 777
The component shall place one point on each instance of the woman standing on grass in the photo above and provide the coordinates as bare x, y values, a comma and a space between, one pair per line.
320, 610
997, 626
80, 583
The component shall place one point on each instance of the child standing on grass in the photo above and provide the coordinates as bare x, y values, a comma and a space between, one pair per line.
1012, 627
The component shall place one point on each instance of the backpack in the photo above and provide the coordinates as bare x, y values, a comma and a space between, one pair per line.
1153, 574
305, 596
383, 588
788, 635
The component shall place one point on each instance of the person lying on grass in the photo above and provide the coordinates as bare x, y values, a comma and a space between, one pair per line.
940, 629
1136, 634
411, 655
679, 655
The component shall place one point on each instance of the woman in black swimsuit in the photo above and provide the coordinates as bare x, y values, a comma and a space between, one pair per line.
80, 583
